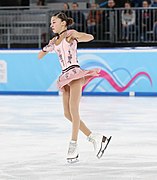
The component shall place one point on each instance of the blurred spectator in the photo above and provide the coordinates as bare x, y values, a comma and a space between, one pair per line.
120, 3
108, 18
67, 10
145, 20
79, 18
108, 14
154, 4
128, 21
88, 5
93, 18
138, 3
155, 31
111, 4
40, 2
66, 6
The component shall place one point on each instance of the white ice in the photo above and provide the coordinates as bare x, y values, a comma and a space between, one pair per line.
34, 137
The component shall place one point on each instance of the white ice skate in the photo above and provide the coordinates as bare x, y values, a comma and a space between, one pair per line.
73, 154
100, 143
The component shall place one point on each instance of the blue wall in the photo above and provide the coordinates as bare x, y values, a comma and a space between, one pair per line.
122, 71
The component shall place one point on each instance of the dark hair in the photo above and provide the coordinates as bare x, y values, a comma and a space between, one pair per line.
69, 21
41, 2
75, 3
68, 7
129, 11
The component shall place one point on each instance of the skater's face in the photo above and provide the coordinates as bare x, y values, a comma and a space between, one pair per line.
57, 24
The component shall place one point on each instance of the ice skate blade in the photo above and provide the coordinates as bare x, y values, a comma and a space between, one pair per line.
104, 145
72, 160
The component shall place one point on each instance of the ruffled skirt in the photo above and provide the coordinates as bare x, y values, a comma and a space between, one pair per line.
74, 74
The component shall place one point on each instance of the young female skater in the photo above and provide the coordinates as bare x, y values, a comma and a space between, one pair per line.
71, 80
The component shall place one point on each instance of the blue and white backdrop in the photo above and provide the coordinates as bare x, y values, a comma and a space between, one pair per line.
123, 72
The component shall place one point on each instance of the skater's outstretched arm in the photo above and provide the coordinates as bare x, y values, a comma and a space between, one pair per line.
46, 49
41, 54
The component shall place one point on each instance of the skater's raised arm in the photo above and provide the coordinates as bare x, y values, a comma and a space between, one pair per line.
80, 36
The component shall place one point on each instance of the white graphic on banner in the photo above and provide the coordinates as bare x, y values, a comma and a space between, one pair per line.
3, 71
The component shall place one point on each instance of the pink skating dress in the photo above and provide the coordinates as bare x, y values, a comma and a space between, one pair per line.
67, 53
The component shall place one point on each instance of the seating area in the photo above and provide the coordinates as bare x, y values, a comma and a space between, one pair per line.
30, 26
23, 27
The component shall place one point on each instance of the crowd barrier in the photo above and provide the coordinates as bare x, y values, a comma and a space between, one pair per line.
24, 27
123, 72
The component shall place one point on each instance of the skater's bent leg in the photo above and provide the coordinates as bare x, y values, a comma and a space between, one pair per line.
84, 128
66, 97
74, 101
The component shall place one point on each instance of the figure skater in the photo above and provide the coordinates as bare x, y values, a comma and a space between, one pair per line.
71, 81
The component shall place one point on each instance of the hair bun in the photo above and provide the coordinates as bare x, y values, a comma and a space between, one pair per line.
70, 21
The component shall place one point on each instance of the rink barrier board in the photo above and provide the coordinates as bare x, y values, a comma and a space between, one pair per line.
118, 66
27, 93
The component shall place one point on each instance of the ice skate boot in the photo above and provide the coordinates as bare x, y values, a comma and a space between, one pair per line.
100, 143
73, 154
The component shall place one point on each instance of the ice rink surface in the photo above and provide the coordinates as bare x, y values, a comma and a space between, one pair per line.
34, 137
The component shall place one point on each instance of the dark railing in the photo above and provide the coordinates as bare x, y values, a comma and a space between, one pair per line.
23, 27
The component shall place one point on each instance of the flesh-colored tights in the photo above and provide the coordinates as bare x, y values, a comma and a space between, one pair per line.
71, 101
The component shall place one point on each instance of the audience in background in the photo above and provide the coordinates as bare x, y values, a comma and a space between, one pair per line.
108, 15
67, 10
138, 3
40, 2
106, 21
120, 3
79, 18
121, 24
154, 4
111, 4
145, 21
128, 21
93, 18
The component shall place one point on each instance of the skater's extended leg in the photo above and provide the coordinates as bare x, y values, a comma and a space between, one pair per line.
74, 99
66, 97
